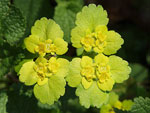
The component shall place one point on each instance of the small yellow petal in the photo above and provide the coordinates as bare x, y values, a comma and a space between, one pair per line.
118, 104
31, 43
107, 85
61, 45
86, 84
100, 58
86, 61
42, 82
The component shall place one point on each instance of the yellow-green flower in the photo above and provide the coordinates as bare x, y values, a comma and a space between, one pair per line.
46, 37
114, 102
100, 73
103, 70
107, 109
48, 77
127, 105
92, 34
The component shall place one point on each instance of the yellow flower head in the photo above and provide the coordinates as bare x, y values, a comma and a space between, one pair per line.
53, 65
103, 70
127, 105
96, 70
114, 102
107, 109
46, 37
118, 105
48, 77
92, 34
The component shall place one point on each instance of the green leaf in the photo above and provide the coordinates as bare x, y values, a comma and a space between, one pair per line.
119, 69
14, 26
5, 65
46, 29
51, 91
113, 97
91, 16
114, 42
3, 102
12, 23
4, 8
47, 106
92, 96
148, 58
18, 66
27, 73
141, 105
19, 101
74, 106
33, 10
79, 51
74, 77
139, 72
9, 56
65, 14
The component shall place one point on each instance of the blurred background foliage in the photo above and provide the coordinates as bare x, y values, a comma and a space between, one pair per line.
130, 18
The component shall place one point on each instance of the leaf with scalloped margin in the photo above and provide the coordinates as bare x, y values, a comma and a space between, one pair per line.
92, 96
51, 91
46, 29
114, 42
91, 16
74, 77
141, 105
119, 69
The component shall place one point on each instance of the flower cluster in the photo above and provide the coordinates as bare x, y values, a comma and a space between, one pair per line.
114, 102
46, 37
95, 76
100, 69
47, 72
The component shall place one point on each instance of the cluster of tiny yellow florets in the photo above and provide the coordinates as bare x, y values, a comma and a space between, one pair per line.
95, 70
114, 102
94, 40
46, 47
45, 69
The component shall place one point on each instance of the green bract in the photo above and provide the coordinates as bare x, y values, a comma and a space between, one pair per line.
96, 75
91, 32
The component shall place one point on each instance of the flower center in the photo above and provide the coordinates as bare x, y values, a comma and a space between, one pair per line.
88, 72
88, 42
45, 69
53, 65
41, 48
46, 47
103, 72
40, 68
95, 41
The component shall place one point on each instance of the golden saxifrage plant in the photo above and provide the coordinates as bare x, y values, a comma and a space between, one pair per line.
93, 75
